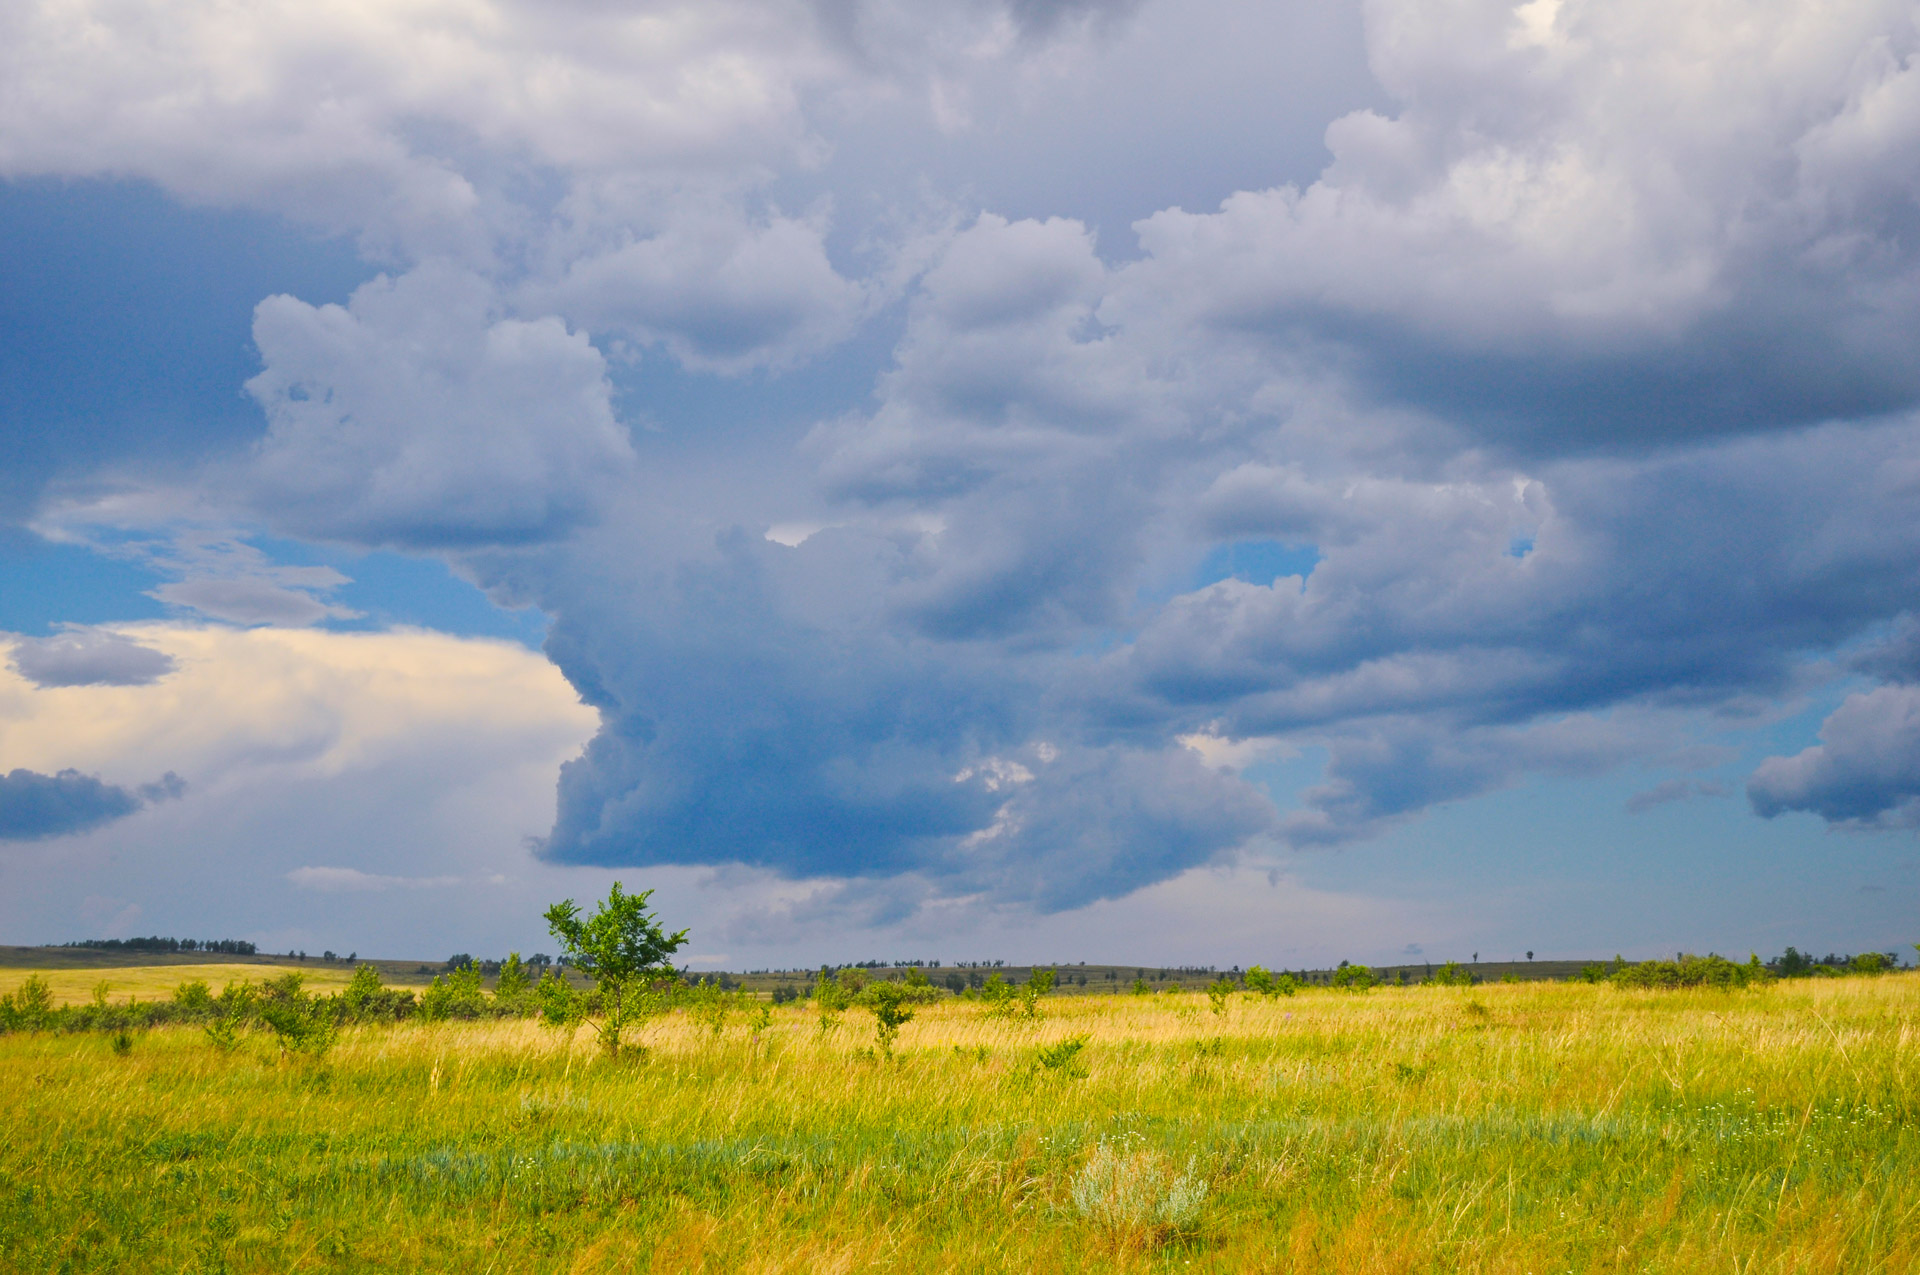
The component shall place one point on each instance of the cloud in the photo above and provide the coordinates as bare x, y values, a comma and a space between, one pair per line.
80, 656
721, 292
408, 755
1865, 772
412, 417
1672, 790
34, 806
1588, 222
352, 880
1579, 377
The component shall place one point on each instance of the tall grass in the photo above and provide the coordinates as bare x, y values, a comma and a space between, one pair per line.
1498, 1128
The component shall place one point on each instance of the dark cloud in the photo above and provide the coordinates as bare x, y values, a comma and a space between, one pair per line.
1578, 376
1896, 657
35, 806
89, 657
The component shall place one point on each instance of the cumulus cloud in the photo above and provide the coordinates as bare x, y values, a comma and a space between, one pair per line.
1591, 220
34, 806
414, 417
719, 291
1578, 381
81, 656
1864, 772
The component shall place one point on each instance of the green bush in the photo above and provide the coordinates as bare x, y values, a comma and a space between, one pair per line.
1354, 978
1693, 971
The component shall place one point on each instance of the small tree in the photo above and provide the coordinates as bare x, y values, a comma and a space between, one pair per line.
1038, 984
623, 949
888, 1001
830, 998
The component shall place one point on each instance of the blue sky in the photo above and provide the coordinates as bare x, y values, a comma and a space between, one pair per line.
1089, 480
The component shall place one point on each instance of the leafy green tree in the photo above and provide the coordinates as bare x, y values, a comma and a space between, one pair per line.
1220, 993
623, 948
1258, 980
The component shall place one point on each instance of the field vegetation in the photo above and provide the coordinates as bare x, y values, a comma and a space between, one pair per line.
1749, 1125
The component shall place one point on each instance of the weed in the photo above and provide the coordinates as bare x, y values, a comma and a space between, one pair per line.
1133, 1197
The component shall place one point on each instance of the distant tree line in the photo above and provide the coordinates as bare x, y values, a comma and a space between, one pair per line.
154, 943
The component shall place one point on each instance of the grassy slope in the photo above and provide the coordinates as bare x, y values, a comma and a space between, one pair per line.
1522, 1128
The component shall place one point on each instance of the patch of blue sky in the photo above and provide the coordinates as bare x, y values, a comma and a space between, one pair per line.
1588, 879
392, 590
128, 322
44, 585
1256, 562
1283, 776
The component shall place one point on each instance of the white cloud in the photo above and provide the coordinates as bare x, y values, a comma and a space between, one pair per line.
330, 778
415, 417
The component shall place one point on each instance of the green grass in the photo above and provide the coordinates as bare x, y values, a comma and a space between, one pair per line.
1510, 1128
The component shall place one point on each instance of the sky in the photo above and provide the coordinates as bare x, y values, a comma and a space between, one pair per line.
1041, 480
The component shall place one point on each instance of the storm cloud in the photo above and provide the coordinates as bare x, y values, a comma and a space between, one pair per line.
1571, 407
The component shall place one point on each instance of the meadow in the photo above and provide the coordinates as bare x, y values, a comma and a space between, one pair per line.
1536, 1127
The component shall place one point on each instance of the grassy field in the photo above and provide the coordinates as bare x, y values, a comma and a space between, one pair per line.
76, 985
1503, 1128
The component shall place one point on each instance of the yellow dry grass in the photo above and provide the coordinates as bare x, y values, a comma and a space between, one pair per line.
156, 982
1498, 1129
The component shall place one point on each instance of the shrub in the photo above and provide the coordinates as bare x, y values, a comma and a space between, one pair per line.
513, 986
1353, 978
1220, 992
1693, 971
832, 997
1063, 1057
29, 1007
300, 1023
1453, 974
1134, 1199
709, 1003
194, 997
1038, 984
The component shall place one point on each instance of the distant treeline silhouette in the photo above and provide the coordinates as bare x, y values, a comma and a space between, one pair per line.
154, 943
